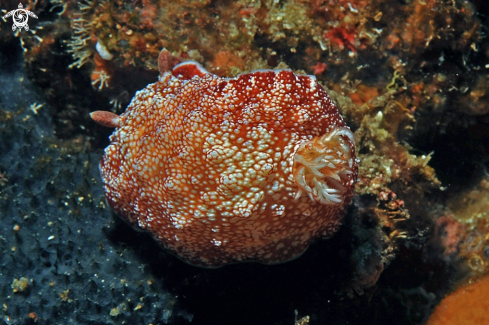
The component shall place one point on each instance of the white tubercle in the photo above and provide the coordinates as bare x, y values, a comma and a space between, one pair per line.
103, 52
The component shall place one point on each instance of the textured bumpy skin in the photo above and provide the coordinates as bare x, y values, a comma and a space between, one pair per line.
225, 170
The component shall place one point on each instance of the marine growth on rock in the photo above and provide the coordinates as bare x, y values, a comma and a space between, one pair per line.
222, 170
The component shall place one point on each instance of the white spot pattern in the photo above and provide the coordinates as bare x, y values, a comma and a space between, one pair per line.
215, 168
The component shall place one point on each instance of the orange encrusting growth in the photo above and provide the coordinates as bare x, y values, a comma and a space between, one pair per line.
468, 305
220, 170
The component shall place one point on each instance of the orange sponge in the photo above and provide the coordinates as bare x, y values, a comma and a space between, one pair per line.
467, 305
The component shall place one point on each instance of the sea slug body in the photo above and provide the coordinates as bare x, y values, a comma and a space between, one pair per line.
223, 170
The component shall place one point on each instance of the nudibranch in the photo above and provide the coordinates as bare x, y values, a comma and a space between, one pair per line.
223, 170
